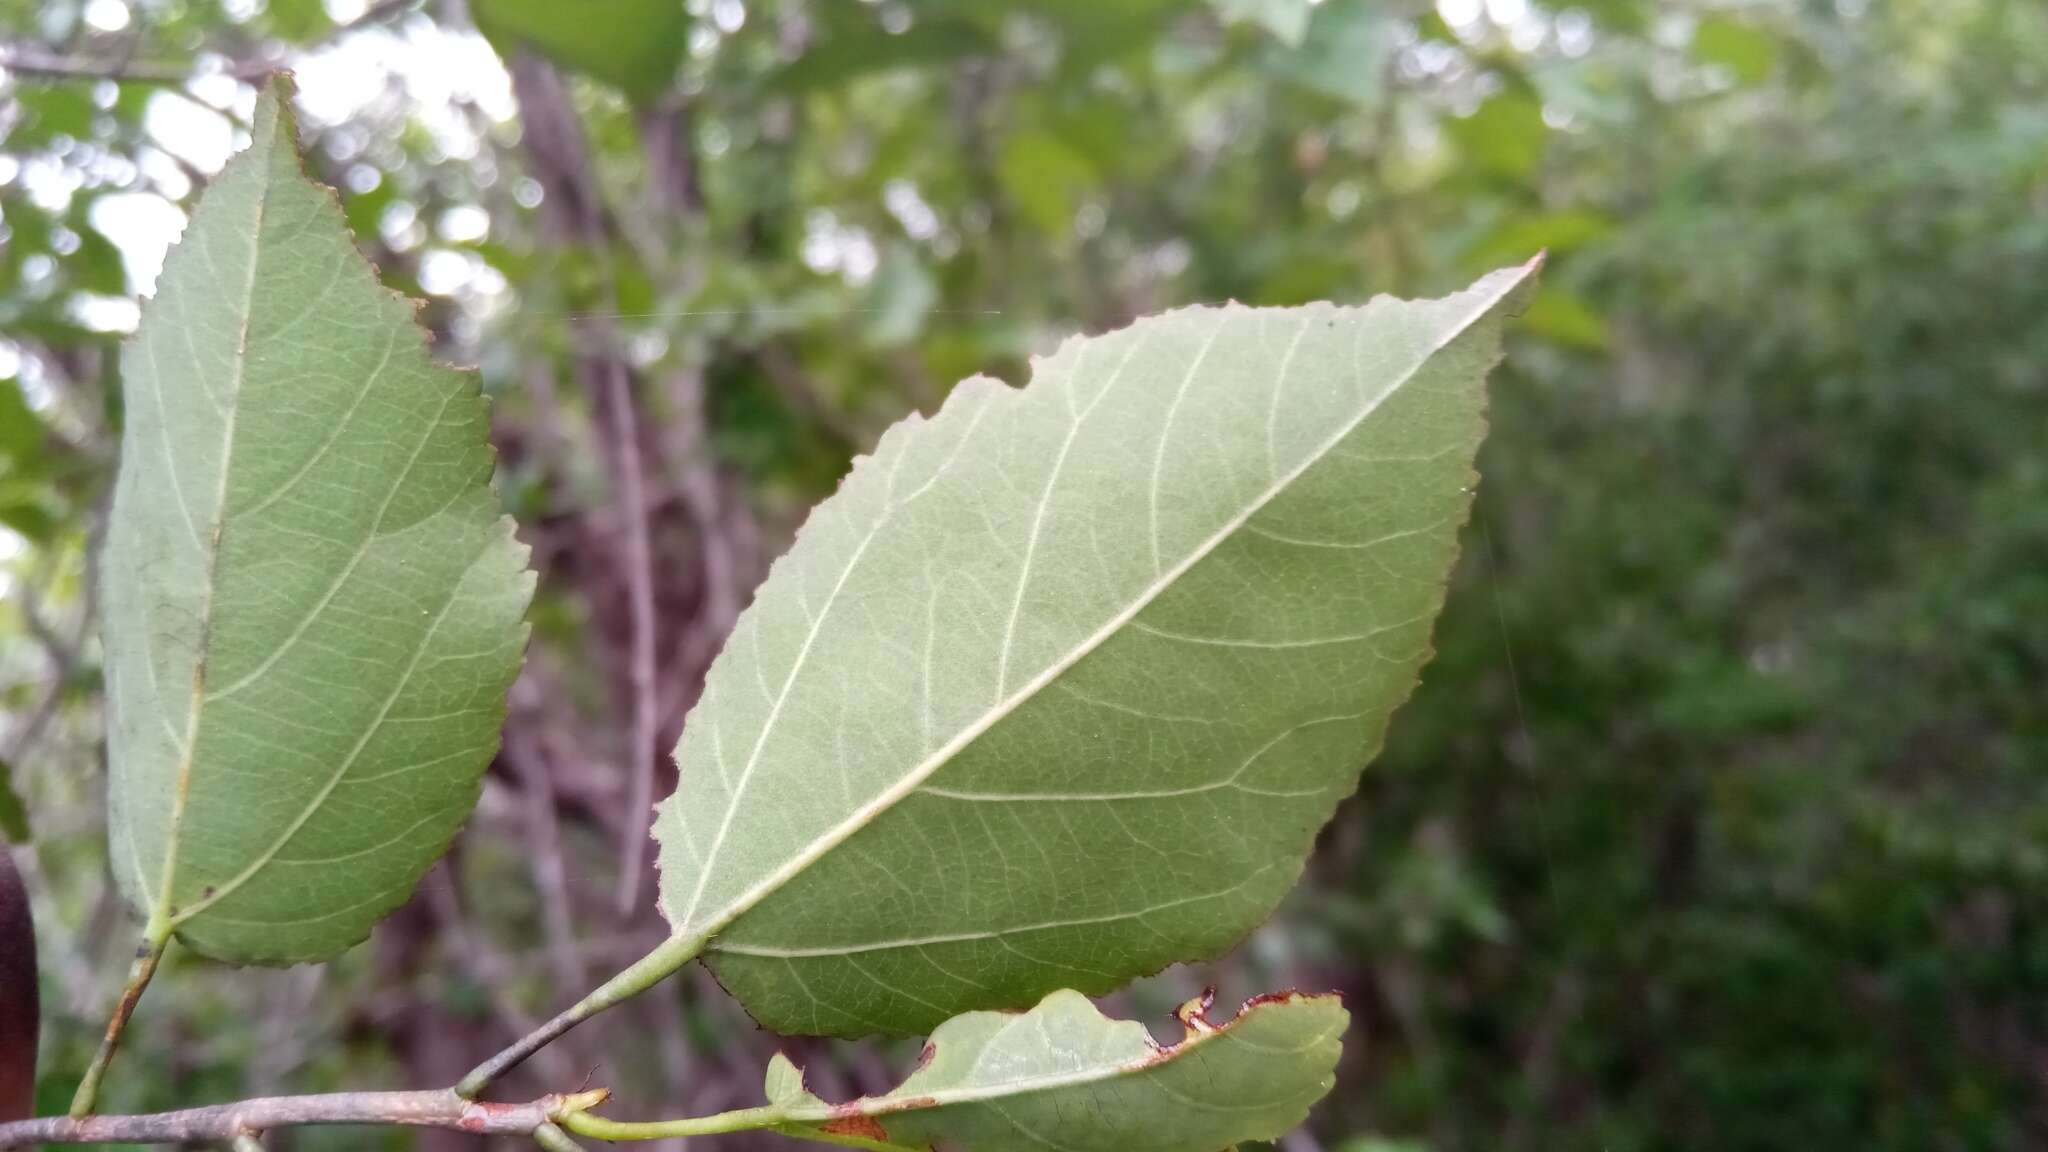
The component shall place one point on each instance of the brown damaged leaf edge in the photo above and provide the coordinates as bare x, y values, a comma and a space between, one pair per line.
19, 1010
857, 1117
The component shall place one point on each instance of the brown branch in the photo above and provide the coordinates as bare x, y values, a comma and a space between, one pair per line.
488, 969
675, 194
223, 1123
573, 212
526, 754
26, 60
629, 478
31, 60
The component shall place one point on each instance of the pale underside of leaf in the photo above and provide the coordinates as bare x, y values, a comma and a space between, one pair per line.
1058, 687
313, 604
1063, 1076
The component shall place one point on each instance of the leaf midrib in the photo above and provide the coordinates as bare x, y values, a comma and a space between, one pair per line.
1481, 305
161, 919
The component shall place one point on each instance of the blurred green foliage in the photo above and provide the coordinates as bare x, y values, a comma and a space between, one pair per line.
1721, 819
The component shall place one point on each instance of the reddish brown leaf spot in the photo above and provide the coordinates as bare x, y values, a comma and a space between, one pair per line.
477, 1116
925, 1057
865, 1127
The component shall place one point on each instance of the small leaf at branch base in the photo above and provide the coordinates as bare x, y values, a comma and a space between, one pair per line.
1064, 1076
313, 603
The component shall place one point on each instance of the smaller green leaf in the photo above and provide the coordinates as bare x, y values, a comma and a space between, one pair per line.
1064, 1076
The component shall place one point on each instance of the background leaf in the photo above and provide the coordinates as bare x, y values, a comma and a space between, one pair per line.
1064, 1076
13, 814
1749, 53
633, 45
1060, 685
1506, 136
313, 605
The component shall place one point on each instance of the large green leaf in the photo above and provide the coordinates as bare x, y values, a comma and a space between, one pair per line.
1057, 689
1064, 1076
313, 605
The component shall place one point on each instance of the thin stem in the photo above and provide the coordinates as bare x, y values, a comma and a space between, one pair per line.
231, 1123
741, 1120
554, 1139
139, 973
645, 973
630, 483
